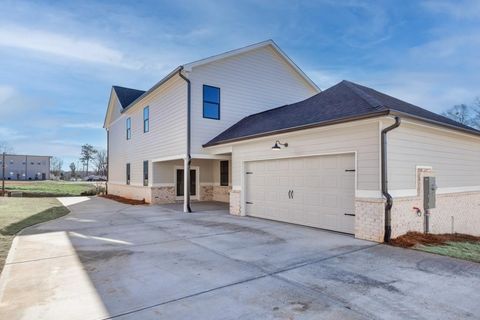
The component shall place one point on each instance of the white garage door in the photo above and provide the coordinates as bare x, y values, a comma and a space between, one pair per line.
313, 191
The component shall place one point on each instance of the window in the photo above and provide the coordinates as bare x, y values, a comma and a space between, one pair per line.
128, 173
211, 102
129, 128
146, 119
224, 173
145, 173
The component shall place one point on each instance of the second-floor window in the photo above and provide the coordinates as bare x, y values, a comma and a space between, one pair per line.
129, 128
146, 119
211, 102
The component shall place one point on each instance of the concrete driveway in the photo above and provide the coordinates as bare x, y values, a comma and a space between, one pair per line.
109, 260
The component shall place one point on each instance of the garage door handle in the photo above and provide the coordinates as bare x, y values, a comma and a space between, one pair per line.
289, 194
292, 194
350, 214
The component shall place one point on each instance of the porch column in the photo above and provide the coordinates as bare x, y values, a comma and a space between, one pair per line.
186, 185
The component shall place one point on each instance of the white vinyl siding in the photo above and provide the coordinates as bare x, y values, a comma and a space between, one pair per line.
454, 158
361, 137
167, 132
249, 83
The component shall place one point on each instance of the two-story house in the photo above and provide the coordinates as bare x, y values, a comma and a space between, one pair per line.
152, 135
253, 130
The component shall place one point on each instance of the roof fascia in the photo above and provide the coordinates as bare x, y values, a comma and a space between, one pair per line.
303, 127
156, 86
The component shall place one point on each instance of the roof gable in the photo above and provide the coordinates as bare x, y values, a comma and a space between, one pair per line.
345, 101
271, 43
127, 95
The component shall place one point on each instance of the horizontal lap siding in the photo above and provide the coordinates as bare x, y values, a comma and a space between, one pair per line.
167, 135
455, 158
249, 83
362, 138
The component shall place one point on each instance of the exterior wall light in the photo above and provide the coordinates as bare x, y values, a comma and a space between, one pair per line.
278, 144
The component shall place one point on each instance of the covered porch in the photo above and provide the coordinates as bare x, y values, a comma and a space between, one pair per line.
210, 179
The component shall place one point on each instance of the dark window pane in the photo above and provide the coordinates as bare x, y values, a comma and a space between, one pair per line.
145, 173
128, 173
129, 128
224, 173
211, 94
211, 110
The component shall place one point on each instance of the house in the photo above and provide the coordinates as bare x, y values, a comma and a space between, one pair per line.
25, 167
253, 130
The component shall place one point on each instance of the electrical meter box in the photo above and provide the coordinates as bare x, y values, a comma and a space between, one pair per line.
429, 192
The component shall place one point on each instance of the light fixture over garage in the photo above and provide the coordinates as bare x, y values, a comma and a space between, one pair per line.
278, 144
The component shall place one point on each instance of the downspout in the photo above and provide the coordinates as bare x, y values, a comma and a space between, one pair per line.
188, 158
388, 197
108, 161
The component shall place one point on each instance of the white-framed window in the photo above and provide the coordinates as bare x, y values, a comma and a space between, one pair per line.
129, 128
146, 119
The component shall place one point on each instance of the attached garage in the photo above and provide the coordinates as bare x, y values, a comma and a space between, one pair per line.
316, 191
295, 164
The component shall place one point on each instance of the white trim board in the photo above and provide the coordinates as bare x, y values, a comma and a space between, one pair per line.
458, 189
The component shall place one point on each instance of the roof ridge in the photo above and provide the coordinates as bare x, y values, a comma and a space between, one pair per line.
374, 102
121, 87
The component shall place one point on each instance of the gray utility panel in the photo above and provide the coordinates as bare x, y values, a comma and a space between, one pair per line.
429, 192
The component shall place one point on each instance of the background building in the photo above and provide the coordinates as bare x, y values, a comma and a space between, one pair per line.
25, 167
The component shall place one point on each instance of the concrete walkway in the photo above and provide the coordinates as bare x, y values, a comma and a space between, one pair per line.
109, 260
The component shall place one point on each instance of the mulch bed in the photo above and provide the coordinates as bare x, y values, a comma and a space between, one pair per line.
123, 200
412, 239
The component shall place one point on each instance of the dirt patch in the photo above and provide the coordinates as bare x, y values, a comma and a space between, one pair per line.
123, 200
412, 239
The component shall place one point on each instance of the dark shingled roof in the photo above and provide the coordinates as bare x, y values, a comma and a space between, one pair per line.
126, 95
345, 101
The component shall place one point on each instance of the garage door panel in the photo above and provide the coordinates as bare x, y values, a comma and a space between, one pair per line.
323, 191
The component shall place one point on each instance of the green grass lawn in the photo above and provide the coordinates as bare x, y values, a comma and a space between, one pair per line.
462, 250
19, 213
51, 188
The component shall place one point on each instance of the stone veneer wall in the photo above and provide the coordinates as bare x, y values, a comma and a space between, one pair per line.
163, 195
206, 193
130, 192
221, 193
455, 212
235, 202
370, 219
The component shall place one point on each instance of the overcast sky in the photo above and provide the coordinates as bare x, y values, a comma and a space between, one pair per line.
59, 59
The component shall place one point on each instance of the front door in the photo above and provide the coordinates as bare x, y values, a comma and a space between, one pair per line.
180, 182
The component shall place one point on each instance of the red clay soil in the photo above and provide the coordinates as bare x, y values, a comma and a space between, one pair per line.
123, 200
412, 239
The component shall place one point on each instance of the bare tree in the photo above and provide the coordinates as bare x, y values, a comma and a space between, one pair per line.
6, 147
56, 165
476, 112
100, 161
73, 170
461, 113
87, 155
